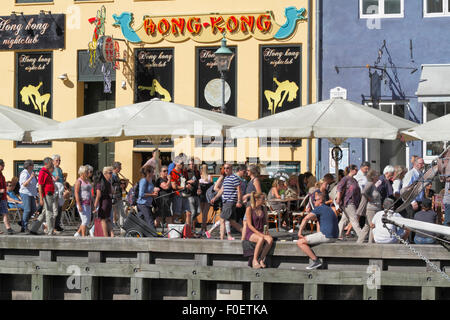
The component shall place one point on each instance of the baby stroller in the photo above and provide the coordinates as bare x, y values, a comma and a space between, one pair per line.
136, 227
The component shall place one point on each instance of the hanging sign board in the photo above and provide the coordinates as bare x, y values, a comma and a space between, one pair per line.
25, 32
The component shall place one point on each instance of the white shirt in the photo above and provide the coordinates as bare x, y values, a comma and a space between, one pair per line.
361, 178
380, 233
31, 189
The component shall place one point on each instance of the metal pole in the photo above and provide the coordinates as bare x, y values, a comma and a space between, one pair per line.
222, 77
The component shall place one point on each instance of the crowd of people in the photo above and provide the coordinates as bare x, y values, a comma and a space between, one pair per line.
352, 203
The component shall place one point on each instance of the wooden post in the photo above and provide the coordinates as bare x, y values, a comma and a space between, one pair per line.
259, 291
39, 287
310, 291
194, 289
429, 293
139, 288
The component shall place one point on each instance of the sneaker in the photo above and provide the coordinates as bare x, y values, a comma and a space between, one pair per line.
91, 232
58, 228
230, 238
314, 265
207, 234
32, 233
10, 231
76, 234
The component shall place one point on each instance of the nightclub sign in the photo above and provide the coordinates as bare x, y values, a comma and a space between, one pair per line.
22, 32
208, 28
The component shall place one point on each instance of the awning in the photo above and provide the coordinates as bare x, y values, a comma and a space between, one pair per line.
434, 84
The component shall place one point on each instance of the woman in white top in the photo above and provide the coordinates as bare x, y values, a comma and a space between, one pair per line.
83, 198
28, 192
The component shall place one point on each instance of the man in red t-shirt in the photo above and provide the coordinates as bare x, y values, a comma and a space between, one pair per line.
3, 199
47, 199
180, 204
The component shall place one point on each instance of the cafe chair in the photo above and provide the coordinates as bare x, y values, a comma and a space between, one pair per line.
273, 216
15, 213
297, 218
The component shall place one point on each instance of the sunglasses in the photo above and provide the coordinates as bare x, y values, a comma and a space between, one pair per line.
165, 171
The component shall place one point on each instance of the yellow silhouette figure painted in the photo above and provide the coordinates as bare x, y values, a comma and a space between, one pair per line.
157, 88
276, 99
31, 94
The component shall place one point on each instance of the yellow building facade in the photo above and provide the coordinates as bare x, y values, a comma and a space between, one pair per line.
273, 70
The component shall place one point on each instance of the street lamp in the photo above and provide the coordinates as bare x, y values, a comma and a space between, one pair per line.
223, 57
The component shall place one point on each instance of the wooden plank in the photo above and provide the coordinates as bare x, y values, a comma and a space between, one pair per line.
343, 250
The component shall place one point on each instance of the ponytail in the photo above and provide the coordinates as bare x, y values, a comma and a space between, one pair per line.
253, 197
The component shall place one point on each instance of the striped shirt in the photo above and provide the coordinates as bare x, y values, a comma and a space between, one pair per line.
230, 184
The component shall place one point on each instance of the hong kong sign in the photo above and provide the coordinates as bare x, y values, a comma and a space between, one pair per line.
208, 28
20, 32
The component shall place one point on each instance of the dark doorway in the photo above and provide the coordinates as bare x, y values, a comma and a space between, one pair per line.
95, 100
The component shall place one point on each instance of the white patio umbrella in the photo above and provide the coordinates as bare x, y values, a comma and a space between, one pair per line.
434, 130
154, 118
334, 118
16, 124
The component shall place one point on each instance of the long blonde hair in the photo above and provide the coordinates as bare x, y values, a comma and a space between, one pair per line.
255, 196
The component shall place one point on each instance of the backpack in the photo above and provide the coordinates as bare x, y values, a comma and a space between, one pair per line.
210, 193
133, 195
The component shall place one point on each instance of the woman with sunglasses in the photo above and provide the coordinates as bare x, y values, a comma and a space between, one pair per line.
163, 214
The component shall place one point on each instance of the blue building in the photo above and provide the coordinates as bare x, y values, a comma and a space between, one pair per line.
406, 45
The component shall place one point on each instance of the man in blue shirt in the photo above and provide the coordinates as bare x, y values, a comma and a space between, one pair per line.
328, 226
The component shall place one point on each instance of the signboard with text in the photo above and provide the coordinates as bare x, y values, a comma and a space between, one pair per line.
209, 84
18, 167
280, 83
25, 32
34, 73
153, 79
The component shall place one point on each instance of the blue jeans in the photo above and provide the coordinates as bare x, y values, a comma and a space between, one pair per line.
29, 207
447, 214
423, 240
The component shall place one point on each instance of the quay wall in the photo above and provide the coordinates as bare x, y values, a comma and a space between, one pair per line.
56, 268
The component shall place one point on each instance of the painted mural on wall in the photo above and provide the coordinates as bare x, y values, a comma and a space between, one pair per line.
34, 84
207, 28
209, 84
25, 32
280, 70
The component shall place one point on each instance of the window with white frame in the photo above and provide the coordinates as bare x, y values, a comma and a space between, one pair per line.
431, 111
436, 8
397, 108
381, 9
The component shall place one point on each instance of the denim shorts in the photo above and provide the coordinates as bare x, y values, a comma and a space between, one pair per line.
3, 207
180, 205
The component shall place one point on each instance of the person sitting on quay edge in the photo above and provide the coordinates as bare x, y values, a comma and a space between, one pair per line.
256, 219
425, 215
14, 201
380, 233
327, 230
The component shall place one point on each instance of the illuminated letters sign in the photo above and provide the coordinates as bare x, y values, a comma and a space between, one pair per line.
209, 28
